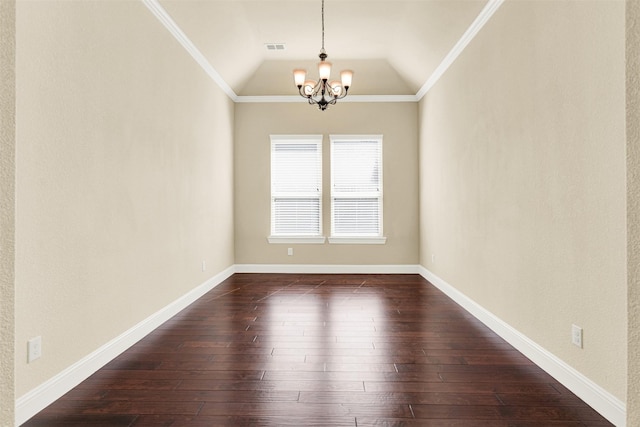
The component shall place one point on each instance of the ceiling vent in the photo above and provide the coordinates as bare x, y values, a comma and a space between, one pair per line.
275, 46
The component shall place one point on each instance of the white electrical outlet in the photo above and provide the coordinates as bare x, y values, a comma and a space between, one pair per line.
576, 335
34, 349
204, 265
290, 251
433, 257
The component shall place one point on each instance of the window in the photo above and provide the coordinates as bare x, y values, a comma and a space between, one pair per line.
356, 189
296, 189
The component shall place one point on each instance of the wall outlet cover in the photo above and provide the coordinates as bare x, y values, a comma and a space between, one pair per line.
34, 349
576, 335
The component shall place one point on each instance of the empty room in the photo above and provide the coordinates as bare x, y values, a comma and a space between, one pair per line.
320, 213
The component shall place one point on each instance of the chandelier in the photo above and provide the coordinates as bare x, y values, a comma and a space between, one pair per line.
323, 92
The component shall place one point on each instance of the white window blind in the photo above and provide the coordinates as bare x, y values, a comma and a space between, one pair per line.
356, 186
296, 185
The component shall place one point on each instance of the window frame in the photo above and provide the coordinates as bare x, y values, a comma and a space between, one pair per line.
355, 238
292, 238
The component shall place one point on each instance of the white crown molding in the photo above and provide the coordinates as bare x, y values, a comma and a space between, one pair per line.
380, 98
257, 99
595, 396
49, 391
350, 98
487, 12
182, 38
166, 20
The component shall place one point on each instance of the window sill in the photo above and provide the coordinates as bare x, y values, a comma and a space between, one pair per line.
297, 239
358, 240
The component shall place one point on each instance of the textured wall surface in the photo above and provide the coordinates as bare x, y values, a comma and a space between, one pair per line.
523, 184
124, 177
398, 125
7, 209
633, 208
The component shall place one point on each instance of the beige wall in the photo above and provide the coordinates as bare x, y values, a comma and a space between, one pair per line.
522, 161
124, 177
7, 209
124, 180
633, 209
396, 122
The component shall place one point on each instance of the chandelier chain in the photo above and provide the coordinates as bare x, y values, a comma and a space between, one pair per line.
323, 25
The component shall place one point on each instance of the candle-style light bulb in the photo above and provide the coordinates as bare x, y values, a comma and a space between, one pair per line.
346, 76
299, 76
324, 69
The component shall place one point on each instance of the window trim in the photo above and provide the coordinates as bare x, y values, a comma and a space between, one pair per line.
295, 239
355, 239
339, 240
302, 239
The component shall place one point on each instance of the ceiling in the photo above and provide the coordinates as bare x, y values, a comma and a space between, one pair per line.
393, 46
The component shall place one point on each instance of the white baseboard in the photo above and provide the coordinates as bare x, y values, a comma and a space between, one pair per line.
327, 269
45, 394
602, 401
595, 396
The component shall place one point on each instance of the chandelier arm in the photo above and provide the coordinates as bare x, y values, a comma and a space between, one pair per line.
318, 89
301, 92
343, 93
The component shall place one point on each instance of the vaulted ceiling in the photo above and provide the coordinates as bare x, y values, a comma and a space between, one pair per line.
393, 46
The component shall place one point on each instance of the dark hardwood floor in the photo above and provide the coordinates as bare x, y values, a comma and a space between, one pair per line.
321, 350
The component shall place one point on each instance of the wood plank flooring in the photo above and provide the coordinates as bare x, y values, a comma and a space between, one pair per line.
321, 350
